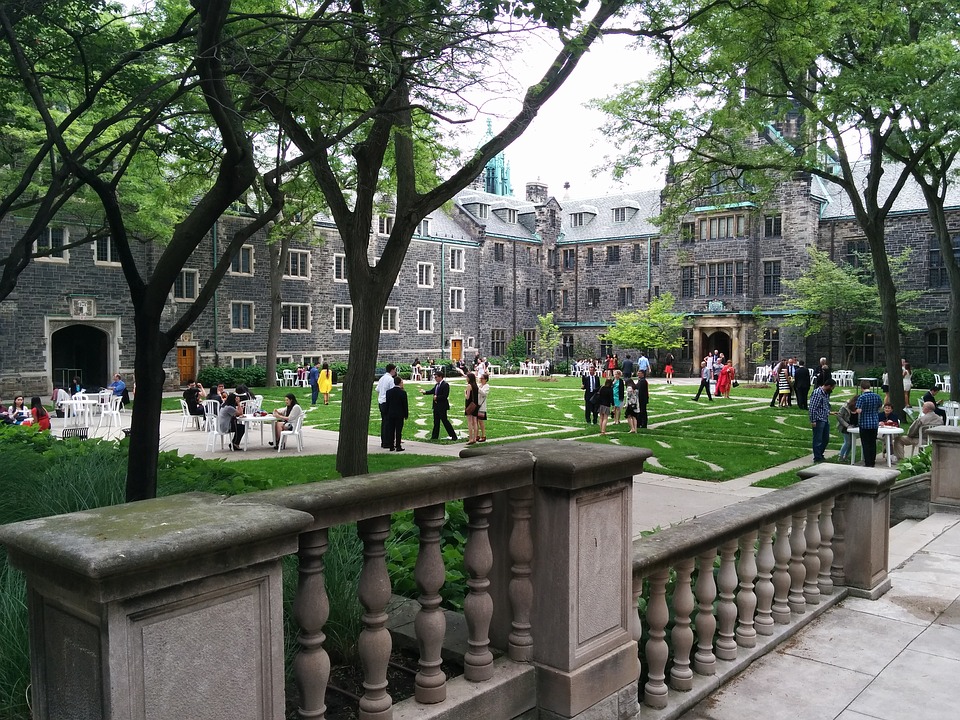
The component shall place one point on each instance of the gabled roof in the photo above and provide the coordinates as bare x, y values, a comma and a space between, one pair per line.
909, 200
493, 224
639, 209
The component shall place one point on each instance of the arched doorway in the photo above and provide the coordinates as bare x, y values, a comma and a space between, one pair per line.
79, 350
716, 340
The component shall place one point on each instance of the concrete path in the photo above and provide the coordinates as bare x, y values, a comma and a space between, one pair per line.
896, 658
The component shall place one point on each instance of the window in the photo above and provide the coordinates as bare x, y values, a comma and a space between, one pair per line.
589, 256
391, 320
937, 347
613, 253
342, 318
243, 362
688, 232
423, 228
858, 253
938, 270
456, 259
773, 226
771, 277
861, 346
656, 291
564, 299
529, 297
242, 262
551, 258
742, 277
530, 336
385, 224
339, 268
498, 295
456, 299
625, 297
425, 275
720, 279
52, 240
655, 252
619, 214
499, 251
185, 286
606, 348
576, 219
483, 211
241, 316
294, 317
105, 251
723, 226
498, 342
688, 284
593, 297
510, 216
686, 350
771, 344
424, 320
637, 253
298, 264
569, 259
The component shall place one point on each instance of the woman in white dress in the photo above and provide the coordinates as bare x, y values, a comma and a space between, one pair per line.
907, 382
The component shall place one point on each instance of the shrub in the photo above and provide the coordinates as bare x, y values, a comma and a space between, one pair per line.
923, 378
251, 376
562, 367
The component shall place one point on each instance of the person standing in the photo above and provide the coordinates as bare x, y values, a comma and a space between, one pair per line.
605, 396
397, 411
385, 382
801, 384
907, 381
325, 383
482, 411
725, 380
591, 386
471, 406
441, 406
820, 413
668, 368
705, 377
868, 418
643, 363
628, 367
822, 374
847, 418
619, 390
313, 377
643, 397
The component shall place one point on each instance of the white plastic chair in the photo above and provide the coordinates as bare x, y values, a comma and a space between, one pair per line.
213, 432
415, 375
937, 379
289, 378
110, 413
952, 409
211, 409
187, 417
297, 432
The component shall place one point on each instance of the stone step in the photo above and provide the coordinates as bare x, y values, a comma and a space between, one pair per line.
914, 537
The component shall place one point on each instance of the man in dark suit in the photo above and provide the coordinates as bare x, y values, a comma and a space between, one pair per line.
591, 385
397, 412
801, 384
441, 406
643, 397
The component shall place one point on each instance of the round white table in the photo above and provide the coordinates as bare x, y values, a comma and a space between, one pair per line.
887, 433
251, 420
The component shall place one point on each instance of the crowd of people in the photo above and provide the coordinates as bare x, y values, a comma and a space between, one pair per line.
616, 395
19, 414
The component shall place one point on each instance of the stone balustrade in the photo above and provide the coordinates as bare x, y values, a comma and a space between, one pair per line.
173, 604
754, 572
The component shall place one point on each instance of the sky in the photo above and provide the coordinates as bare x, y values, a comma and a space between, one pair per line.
564, 142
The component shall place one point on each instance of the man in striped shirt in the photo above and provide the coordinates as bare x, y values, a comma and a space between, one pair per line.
819, 410
868, 409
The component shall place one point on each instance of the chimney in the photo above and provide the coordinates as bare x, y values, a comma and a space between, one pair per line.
537, 193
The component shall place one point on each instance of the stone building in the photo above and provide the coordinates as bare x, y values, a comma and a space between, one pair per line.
477, 274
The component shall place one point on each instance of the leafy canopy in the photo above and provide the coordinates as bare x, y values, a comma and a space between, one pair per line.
656, 326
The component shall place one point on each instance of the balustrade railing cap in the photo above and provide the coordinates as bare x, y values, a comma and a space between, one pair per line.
944, 434
570, 465
861, 479
108, 545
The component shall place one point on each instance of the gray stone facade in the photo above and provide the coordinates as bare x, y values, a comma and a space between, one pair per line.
478, 276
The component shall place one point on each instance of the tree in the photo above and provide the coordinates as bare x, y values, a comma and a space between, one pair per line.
548, 337
516, 351
658, 326
379, 120
748, 95
837, 298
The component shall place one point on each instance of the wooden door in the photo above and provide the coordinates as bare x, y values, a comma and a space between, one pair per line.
187, 363
456, 350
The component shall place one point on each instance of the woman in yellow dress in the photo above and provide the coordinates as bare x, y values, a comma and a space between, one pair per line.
325, 383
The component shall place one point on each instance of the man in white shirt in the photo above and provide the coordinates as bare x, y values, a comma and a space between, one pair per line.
384, 384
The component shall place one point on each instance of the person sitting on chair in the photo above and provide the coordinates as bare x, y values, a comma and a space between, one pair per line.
925, 421
286, 417
194, 396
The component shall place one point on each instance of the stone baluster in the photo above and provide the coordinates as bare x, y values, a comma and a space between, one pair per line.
839, 540
727, 607
704, 661
764, 589
520, 640
374, 644
478, 605
311, 608
634, 620
811, 560
824, 580
430, 623
658, 615
681, 675
798, 545
746, 597
781, 573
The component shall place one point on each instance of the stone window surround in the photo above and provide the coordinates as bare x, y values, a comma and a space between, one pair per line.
391, 317
305, 257
238, 260
183, 296
240, 303
342, 318
425, 269
425, 321
284, 320
47, 243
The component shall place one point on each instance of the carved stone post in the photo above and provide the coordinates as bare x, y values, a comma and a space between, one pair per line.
764, 589
311, 608
478, 605
374, 645
798, 546
825, 581
520, 640
173, 604
584, 647
945, 471
811, 560
781, 573
747, 598
658, 615
727, 607
704, 660
430, 623
681, 675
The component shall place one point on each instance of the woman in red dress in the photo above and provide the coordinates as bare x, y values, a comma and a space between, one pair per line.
725, 380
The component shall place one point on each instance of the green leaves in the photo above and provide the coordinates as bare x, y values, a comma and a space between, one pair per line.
656, 326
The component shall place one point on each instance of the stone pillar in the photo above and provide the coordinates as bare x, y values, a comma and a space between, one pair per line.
167, 609
866, 542
945, 471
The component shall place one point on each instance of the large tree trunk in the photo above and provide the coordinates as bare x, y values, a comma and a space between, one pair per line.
277, 254
890, 315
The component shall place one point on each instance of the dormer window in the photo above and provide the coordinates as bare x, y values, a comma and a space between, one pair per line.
576, 219
483, 211
423, 229
620, 214
385, 224
510, 216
